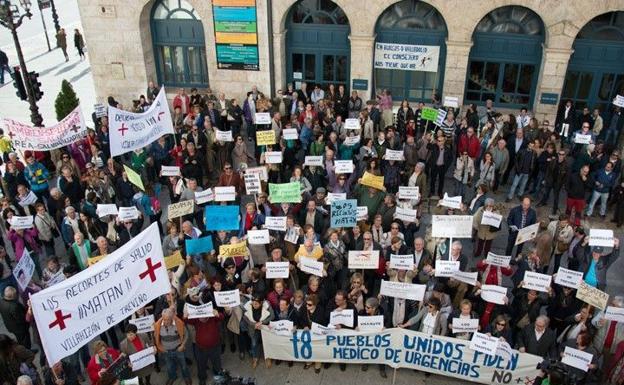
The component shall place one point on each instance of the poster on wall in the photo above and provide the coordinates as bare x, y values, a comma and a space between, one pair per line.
236, 34
407, 57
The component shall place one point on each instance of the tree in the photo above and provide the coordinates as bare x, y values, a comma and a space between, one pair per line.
66, 101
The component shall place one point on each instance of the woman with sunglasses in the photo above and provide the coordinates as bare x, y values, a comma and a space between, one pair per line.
500, 328
313, 314
372, 308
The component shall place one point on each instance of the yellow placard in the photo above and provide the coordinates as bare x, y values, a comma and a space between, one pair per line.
234, 3
181, 208
134, 177
93, 260
264, 138
174, 260
236, 38
235, 250
372, 180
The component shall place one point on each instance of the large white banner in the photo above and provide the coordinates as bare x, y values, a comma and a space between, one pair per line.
67, 131
129, 131
73, 312
407, 57
401, 348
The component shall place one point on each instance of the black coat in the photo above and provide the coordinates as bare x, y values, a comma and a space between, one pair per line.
435, 152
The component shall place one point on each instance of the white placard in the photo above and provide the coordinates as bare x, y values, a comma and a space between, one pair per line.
498, 260
103, 210
440, 117
491, 219
277, 269
310, 266
568, 278
577, 358
224, 193
613, 313
465, 325
362, 213
292, 235
451, 101
229, 298
275, 223
204, 196
403, 290
582, 139
273, 157
528, 233
352, 124
402, 261
370, 323
313, 160
224, 136
20, 223
406, 215
252, 184
504, 350
407, 57
451, 202
199, 311
469, 278
263, 118
170, 171
618, 100
335, 197
408, 193
282, 327
394, 155
352, 140
290, 134
342, 317
536, 281
451, 226
483, 343
494, 294
363, 259
144, 324
601, 237
99, 109
258, 237
261, 170
144, 358
320, 331
24, 269
446, 268
128, 213
297, 75
343, 166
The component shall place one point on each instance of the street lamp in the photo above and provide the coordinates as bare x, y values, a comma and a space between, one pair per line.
11, 19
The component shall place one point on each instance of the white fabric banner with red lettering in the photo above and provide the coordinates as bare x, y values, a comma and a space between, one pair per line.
67, 131
129, 131
73, 312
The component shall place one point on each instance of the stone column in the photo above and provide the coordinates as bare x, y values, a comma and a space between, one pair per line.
551, 78
279, 59
362, 52
457, 53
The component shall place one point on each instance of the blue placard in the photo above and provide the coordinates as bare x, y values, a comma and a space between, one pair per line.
359, 84
343, 213
221, 218
199, 245
234, 13
549, 98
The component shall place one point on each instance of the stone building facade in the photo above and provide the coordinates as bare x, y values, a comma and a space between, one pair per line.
120, 36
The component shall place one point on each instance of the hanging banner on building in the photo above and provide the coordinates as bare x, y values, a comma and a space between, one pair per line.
236, 34
407, 57
73, 312
129, 131
401, 348
67, 131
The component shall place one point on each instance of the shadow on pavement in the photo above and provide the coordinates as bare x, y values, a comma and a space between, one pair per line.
79, 75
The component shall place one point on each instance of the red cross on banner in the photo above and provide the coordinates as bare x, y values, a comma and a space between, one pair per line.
150, 270
60, 320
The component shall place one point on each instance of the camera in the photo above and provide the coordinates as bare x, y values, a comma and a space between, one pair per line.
555, 374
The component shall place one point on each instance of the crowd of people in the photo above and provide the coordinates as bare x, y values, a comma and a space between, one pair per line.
476, 152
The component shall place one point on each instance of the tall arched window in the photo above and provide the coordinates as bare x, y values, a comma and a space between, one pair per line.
179, 47
505, 57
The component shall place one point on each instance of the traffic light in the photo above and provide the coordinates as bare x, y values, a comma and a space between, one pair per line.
18, 83
35, 85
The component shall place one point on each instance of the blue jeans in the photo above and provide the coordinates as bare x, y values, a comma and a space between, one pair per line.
611, 136
519, 182
255, 343
603, 202
172, 361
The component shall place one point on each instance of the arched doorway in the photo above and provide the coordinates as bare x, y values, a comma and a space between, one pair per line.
505, 58
596, 70
317, 44
416, 23
179, 47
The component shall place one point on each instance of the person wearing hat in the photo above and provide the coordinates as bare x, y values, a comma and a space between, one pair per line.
596, 261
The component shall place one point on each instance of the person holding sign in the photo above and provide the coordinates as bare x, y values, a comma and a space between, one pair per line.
170, 340
341, 304
134, 343
485, 232
582, 371
257, 313
372, 309
429, 319
604, 181
464, 313
537, 338
101, 360
439, 160
519, 217
596, 261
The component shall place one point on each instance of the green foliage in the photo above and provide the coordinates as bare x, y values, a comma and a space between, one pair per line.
66, 101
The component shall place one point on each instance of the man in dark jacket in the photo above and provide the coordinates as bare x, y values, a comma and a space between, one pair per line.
605, 180
515, 143
556, 176
525, 160
439, 161
538, 339
14, 316
519, 217
578, 185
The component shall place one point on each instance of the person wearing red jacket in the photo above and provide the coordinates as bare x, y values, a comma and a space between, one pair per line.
469, 143
491, 275
100, 361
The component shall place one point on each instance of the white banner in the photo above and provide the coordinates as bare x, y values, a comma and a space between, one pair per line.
224, 136
277, 269
290, 134
577, 358
451, 202
24, 269
228, 298
613, 313
65, 132
528, 233
493, 293
224, 193
258, 237
401, 348
402, 262
129, 131
20, 223
128, 213
273, 157
361, 259
568, 278
199, 311
394, 155
170, 171
73, 312
407, 57
144, 324
352, 124
492, 219
498, 260
204, 196
343, 166
601, 237
275, 223
536, 281
451, 226
407, 193
446, 268
282, 327
403, 290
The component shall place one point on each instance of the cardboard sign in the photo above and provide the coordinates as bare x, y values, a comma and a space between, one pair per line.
494, 294
103, 210
235, 250
290, 134
224, 136
468, 278
370, 323
394, 155
408, 193
181, 208
498, 260
451, 226
536, 281
600, 237
277, 269
313, 160
446, 268
265, 138
361, 259
352, 124
310, 266
342, 317
273, 157
465, 325
128, 213
527, 234
134, 177
343, 213
406, 215
174, 260
577, 358
402, 262
483, 343
170, 171
491, 219
93, 260
451, 202
228, 298
224, 193
451, 101
282, 327
252, 184
372, 180
24, 269
568, 278
592, 296
613, 313
144, 324
275, 223
202, 197
199, 311
258, 237
343, 166
403, 290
